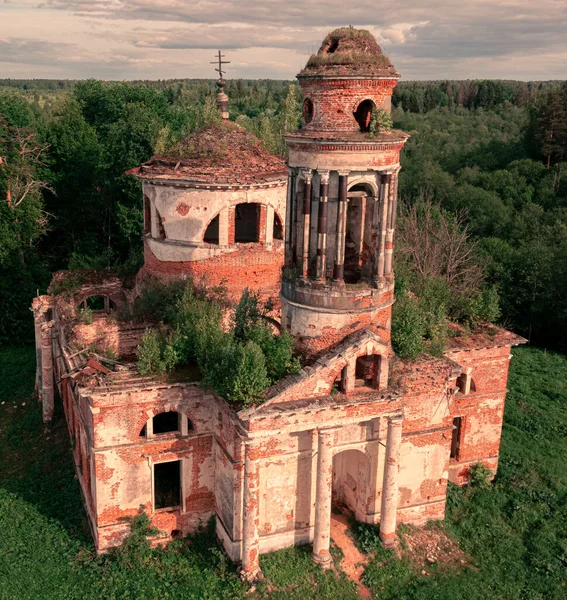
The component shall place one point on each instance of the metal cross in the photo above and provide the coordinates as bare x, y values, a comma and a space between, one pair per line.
220, 63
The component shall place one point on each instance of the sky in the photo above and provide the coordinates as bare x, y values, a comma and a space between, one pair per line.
164, 39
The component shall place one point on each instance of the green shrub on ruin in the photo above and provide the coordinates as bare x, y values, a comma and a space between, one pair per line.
408, 327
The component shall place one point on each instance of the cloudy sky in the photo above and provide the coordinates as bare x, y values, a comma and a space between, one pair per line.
153, 39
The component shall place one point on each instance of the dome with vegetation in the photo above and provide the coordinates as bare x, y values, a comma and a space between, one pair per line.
217, 153
349, 51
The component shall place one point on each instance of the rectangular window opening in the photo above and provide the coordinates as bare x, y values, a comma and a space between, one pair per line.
167, 484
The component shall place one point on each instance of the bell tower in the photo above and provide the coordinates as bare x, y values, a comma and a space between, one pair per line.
342, 195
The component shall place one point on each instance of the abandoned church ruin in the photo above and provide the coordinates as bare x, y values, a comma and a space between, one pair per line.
356, 426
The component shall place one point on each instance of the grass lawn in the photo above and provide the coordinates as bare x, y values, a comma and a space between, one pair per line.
514, 531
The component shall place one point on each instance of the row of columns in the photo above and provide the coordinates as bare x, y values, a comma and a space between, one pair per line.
323, 499
299, 226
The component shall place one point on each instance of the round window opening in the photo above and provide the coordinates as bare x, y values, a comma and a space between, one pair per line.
308, 110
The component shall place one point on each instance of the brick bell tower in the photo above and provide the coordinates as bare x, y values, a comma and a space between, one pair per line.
342, 196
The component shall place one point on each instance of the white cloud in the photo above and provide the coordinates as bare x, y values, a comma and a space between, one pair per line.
270, 38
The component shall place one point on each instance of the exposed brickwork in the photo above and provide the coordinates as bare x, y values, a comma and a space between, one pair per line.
335, 101
255, 266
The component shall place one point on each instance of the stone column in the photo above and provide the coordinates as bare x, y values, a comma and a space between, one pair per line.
306, 223
339, 266
47, 397
322, 227
389, 509
37, 332
288, 217
269, 224
262, 218
231, 225
393, 207
322, 533
223, 226
383, 211
250, 536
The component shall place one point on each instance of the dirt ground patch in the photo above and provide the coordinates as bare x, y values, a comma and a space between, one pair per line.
426, 546
353, 561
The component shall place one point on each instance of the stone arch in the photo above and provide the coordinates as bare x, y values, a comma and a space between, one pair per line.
112, 291
185, 425
351, 481
360, 240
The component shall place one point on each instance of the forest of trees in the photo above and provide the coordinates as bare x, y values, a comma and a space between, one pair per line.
492, 154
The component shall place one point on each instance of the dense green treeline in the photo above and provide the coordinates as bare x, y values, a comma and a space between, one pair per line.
493, 154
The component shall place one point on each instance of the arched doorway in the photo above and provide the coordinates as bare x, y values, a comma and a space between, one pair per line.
351, 480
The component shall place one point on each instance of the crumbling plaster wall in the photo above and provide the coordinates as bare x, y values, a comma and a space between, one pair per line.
124, 460
482, 409
186, 212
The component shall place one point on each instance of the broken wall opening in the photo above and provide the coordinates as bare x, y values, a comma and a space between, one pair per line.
247, 223
212, 233
278, 227
367, 372
363, 114
98, 303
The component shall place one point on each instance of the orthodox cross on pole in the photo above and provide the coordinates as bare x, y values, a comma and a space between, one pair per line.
220, 63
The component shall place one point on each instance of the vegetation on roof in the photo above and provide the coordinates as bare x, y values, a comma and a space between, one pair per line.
238, 362
348, 46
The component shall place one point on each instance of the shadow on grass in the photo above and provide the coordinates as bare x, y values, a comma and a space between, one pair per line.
36, 462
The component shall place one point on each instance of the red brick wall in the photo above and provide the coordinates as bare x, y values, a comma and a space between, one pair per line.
335, 101
253, 265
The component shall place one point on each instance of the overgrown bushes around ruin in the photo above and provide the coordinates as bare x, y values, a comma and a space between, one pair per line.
238, 362
440, 277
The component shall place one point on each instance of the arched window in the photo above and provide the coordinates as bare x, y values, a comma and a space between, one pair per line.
166, 423
247, 223
363, 114
278, 227
212, 233
308, 110
367, 372
98, 304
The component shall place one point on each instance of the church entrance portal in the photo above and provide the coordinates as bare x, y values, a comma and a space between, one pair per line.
351, 478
